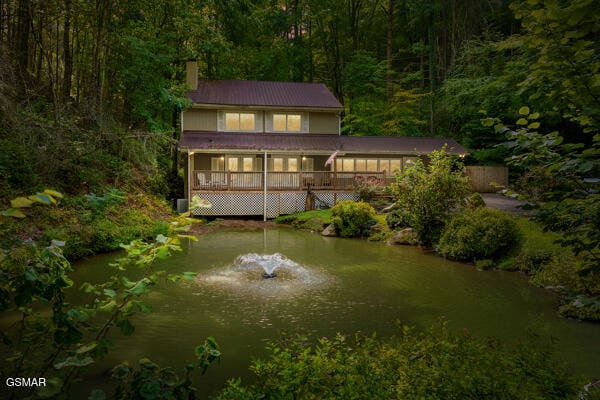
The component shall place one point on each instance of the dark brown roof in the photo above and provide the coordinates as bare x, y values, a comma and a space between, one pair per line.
199, 140
265, 94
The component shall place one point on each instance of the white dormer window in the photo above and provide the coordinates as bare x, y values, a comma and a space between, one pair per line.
287, 122
237, 121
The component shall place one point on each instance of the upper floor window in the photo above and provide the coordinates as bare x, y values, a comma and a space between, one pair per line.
237, 121
286, 122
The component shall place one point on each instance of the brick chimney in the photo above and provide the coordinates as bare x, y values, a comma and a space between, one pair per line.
191, 75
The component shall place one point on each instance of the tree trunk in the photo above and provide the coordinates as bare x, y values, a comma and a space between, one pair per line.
21, 47
68, 59
390, 51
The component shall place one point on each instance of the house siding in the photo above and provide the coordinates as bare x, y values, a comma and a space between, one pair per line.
200, 120
327, 123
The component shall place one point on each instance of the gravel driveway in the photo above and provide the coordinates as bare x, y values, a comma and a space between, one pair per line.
501, 202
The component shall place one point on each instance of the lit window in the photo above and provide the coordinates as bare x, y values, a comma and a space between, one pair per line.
239, 121
279, 122
294, 123
372, 165
277, 164
384, 166
395, 165
246, 122
361, 165
348, 164
292, 164
248, 164
287, 123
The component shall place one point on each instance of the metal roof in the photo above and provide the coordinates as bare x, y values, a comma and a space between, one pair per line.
202, 140
264, 94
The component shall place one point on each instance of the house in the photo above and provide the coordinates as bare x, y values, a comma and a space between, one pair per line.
259, 148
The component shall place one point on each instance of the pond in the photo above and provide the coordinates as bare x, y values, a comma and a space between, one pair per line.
323, 286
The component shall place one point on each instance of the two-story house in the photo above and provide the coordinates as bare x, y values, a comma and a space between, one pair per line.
258, 148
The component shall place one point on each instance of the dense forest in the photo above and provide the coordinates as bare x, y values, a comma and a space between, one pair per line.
100, 82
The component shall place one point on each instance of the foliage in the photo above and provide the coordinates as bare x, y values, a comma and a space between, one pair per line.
479, 234
88, 228
352, 219
367, 188
562, 38
582, 308
380, 231
569, 201
150, 381
52, 338
483, 78
398, 218
435, 364
475, 201
427, 193
98, 204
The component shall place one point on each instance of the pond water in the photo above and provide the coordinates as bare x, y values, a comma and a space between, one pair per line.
323, 286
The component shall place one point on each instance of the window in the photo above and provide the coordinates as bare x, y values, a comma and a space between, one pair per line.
287, 122
292, 164
217, 163
369, 165
283, 164
372, 165
280, 122
236, 121
243, 164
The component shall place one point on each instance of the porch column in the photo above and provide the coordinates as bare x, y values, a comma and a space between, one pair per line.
190, 170
265, 188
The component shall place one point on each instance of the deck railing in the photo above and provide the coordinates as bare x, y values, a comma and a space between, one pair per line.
285, 181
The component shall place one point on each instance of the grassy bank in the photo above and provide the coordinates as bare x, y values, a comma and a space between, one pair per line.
89, 224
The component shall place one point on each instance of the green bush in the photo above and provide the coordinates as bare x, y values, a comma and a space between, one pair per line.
436, 364
532, 260
428, 193
581, 307
475, 201
398, 218
482, 233
352, 219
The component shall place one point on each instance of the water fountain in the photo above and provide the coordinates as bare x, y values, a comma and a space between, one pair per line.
255, 273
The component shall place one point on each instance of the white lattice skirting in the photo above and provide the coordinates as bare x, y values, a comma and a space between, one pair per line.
251, 203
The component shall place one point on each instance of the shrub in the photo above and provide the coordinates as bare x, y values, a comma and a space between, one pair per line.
367, 188
581, 307
475, 201
436, 364
352, 219
398, 218
532, 260
428, 193
482, 233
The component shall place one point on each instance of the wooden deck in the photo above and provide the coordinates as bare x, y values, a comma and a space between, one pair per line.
284, 181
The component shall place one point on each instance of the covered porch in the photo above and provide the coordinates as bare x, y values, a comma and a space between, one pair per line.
273, 174
209, 180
